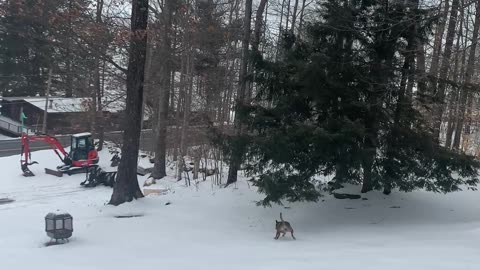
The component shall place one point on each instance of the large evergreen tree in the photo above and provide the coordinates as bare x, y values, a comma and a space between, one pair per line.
39, 35
340, 102
24, 48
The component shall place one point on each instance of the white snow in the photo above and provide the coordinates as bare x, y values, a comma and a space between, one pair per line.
62, 105
83, 134
70, 105
212, 228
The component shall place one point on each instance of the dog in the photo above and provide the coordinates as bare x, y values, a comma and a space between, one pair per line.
283, 227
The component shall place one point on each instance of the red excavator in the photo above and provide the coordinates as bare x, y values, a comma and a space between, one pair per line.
82, 153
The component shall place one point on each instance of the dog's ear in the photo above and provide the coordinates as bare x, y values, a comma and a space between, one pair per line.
276, 221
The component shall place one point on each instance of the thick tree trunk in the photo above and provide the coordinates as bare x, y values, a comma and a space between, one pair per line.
257, 32
367, 165
159, 169
439, 96
464, 93
236, 157
126, 186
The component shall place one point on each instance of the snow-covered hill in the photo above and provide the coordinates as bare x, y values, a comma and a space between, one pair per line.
212, 228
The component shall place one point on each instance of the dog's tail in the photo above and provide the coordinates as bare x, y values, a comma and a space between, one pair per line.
281, 218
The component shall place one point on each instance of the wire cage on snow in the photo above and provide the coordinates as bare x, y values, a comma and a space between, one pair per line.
59, 226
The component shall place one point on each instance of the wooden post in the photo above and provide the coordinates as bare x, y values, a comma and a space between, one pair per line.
45, 113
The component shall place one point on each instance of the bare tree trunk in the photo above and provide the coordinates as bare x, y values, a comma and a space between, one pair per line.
69, 81
230, 74
188, 91
179, 107
186, 111
469, 114
68, 63
265, 22
453, 101
47, 95
468, 77
422, 86
302, 11
237, 154
280, 28
439, 96
98, 108
257, 32
437, 44
159, 169
126, 187
461, 79
288, 15
294, 16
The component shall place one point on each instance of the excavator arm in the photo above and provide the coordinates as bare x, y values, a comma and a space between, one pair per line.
26, 154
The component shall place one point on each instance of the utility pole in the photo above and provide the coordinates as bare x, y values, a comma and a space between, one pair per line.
47, 94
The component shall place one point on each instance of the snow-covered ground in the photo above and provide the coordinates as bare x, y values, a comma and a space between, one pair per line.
212, 228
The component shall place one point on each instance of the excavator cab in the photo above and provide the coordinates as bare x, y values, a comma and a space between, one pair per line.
81, 146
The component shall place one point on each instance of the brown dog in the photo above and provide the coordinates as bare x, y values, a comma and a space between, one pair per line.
283, 227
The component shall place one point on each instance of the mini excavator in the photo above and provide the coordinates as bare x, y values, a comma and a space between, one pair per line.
82, 154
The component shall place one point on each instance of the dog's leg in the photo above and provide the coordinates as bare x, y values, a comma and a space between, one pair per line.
277, 235
293, 236
283, 234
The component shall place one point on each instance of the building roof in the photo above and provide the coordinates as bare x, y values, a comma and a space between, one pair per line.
84, 134
60, 105
65, 105
14, 98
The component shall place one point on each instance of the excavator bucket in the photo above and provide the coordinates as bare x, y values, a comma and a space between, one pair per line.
53, 172
26, 171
